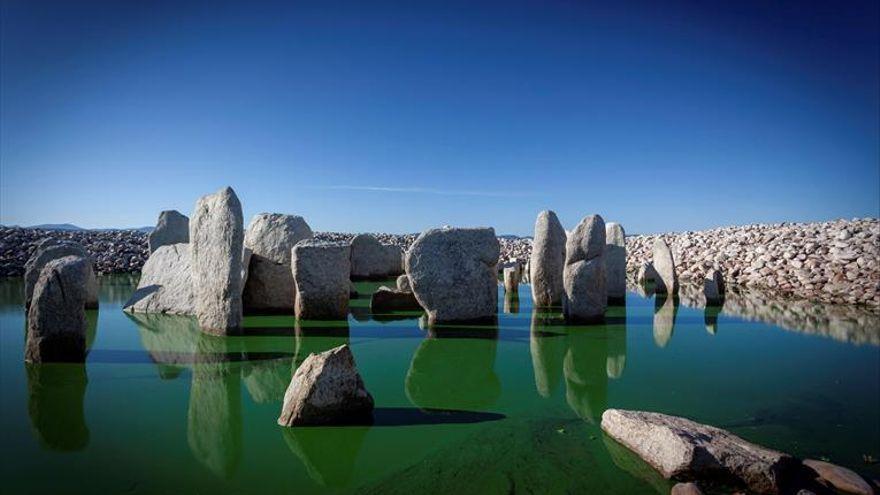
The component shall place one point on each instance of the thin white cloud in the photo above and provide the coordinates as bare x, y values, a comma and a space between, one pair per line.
425, 190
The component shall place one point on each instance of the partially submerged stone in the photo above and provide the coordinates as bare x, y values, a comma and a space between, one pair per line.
320, 272
452, 273
547, 260
51, 249
270, 237
666, 281
166, 283
371, 259
839, 477
511, 280
615, 261
386, 299
326, 389
56, 323
216, 238
171, 228
713, 288
585, 296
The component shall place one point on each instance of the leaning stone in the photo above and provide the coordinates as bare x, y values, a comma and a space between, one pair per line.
403, 283
50, 249
839, 477
713, 288
320, 273
326, 389
56, 323
386, 299
615, 261
165, 285
686, 489
217, 238
172, 228
547, 260
271, 237
372, 260
511, 280
666, 280
585, 297
682, 449
452, 273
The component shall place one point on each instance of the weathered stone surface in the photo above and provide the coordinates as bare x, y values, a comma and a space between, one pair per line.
511, 279
386, 299
615, 261
547, 260
585, 296
270, 238
172, 228
689, 488
713, 288
50, 249
56, 323
372, 260
646, 273
217, 239
452, 273
166, 283
320, 272
682, 449
403, 283
839, 477
666, 281
326, 389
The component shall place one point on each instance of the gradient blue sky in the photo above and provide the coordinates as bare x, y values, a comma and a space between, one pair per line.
373, 116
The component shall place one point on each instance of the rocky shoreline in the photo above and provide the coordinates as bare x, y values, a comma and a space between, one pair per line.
831, 262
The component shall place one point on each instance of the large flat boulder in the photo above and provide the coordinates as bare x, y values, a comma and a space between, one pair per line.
685, 450
320, 273
270, 237
216, 238
547, 260
585, 296
371, 259
171, 228
56, 322
51, 249
326, 389
615, 261
452, 273
166, 284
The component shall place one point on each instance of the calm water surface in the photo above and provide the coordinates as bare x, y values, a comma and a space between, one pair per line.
160, 408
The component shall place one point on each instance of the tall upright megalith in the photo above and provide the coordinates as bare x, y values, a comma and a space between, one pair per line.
547, 260
615, 261
585, 297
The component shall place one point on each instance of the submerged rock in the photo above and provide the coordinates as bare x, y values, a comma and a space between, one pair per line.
452, 273
51, 249
172, 228
666, 281
841, 478
386, 299
270, 237
326, 389
615, 261
585, 297
547, 260
166, 284
320, 272
371, 259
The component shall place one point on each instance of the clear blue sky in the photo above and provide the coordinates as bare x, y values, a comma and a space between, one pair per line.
372, 116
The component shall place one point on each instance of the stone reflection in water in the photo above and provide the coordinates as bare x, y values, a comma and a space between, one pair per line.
214, 424
55, 404
267, 379
115, 289
511, 303
315, 337
616, 325
665, 309
547, 350
710, 317
453, 373
171, 340
585, 371
328, 453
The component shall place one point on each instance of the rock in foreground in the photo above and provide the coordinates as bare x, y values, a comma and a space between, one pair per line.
165, 285
50, 249
326, 389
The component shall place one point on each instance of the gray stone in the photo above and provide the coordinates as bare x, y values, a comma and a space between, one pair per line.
320, 273
372, 260
646, 273
511, 280
689, 488
713, 288
172, 228
50, 249
615, 261
217, 243
585, 296
326, 389
166, 284
386, 299
547, 260
841, 478
403, 283
452, 273
682, 449
270, 237
56, 323
666, 281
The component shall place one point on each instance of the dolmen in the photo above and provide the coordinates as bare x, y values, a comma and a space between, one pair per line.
269, 239
585, 296
51, 249
171, 228
452, 272
321, 272
56, 317
665, 281
327, 389
547, 260
615, 262
372, 260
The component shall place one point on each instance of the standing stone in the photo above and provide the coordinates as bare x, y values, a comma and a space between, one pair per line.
166, 284
547, 260
511, 280
615, 261
217, 238
585, 297
403, 283
452, 273
326, 389
666, 281
372, 260
56, 323
172, 228
320, 273
646, 273
713, 288
270, 237
50, 249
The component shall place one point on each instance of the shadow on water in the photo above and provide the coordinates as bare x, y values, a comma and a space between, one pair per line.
55, 404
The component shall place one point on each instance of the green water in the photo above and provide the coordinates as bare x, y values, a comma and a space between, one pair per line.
160, 408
